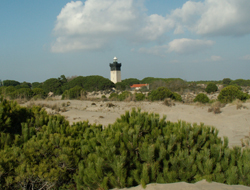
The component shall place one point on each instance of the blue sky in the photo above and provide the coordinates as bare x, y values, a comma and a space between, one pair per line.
192, 40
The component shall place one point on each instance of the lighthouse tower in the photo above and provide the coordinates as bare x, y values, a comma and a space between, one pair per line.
115, 71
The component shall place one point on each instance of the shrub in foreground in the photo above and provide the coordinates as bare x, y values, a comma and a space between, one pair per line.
201, 98
139, 148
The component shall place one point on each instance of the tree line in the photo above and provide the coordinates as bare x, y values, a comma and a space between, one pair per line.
83, 84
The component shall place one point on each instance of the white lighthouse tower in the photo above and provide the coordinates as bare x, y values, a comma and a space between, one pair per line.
115, 71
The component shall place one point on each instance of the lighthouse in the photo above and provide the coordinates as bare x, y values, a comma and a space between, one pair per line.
115, 71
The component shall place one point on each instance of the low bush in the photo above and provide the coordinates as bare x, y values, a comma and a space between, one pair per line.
140, 96
120, 97
177, 97
124, 95
226, 81
211, 87
160, 94
202, 98
230, 93
113, 96
74, 93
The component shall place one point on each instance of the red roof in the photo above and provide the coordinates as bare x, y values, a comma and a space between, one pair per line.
138, 85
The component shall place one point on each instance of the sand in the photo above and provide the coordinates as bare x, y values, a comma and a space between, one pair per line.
201, 185
231, 122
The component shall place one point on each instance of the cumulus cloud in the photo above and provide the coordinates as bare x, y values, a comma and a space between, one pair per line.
213, 17
216, 58
246, 57
92, 25
96, 24
185, 45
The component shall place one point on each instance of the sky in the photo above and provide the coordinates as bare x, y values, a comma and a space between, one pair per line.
193, 40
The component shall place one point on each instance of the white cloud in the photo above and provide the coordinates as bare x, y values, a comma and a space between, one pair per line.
213, 17
216, 58
246, 57
185, 45
96, 24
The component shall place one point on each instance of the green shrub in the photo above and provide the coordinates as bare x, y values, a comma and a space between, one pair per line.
124, 95
211, 87
236, 85
74, 93
138, 149
226, 81
8, 90
22, 93
139, 96
141, 148
120, 86
240, 82
230, 93
177, 97
160, 94
113, 96
53, 85
201, 98
39, 93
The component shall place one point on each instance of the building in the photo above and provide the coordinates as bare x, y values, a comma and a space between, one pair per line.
139, 86
115, 71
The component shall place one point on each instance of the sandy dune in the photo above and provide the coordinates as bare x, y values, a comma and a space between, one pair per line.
231, 122
201, 185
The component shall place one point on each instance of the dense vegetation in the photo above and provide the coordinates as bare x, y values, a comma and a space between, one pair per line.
77, 87
38, 151
13, 89
90, 83
22, 93
162, 93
